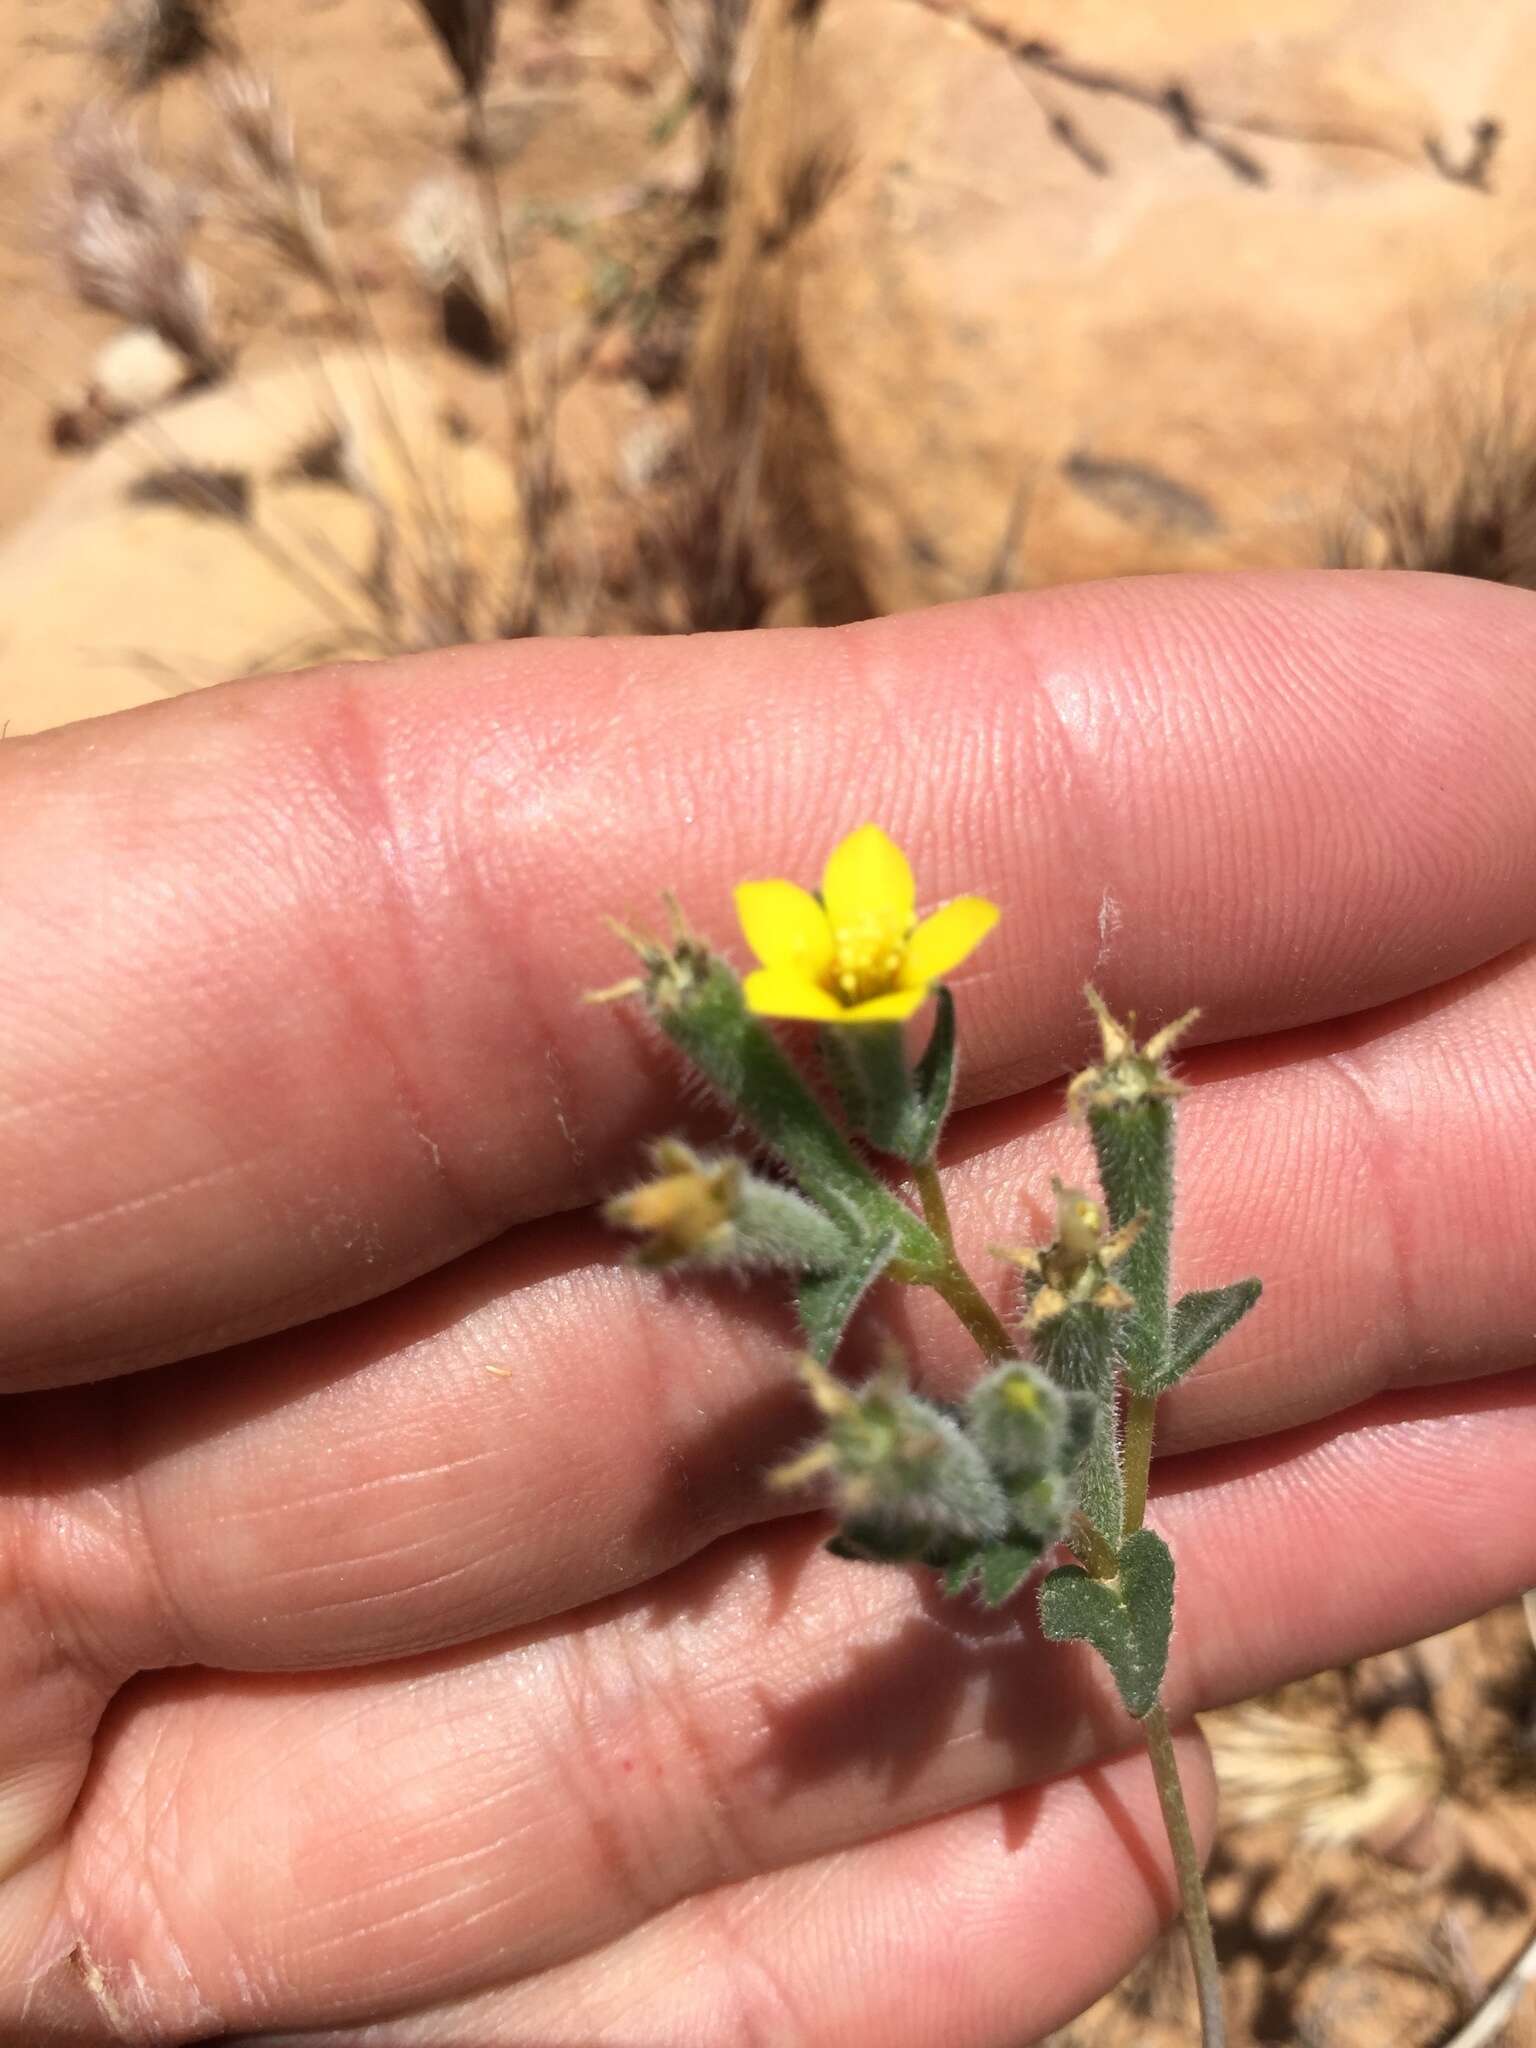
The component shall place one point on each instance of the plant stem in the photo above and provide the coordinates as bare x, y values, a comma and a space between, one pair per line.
952, 1282
1139, 1420
1095, 1553
1186, 1861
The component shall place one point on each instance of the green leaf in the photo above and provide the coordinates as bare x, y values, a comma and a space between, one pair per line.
900, 1110
1200, 1321
877, 1543
1128, 1620
933, 1085
827, 1300
1004, 1568
999, 1569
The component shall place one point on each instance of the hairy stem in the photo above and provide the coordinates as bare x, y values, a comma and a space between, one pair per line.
1139, 1420
951, 1282
1186, 1861
1170, 1793
1093, 1551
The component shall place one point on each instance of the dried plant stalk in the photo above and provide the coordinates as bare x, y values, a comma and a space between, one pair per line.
141, 40
467, 31
1332, 1786
278, 202
443, 233
123, 228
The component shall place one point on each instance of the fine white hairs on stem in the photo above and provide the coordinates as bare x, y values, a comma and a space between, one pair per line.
123, 230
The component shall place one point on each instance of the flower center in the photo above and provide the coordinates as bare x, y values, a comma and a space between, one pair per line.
867, 956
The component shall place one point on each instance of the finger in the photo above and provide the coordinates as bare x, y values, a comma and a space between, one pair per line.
494, 1812
987, 1927
1380, 1176
293, 1004
1376, 1173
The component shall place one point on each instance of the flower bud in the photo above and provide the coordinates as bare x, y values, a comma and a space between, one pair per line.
895, 1465
1026, 1426
715, 1213
1068, 1282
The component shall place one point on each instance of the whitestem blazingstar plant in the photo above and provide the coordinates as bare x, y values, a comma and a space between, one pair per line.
1053, 1444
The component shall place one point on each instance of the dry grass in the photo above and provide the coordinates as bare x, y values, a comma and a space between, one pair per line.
686, 548
273, 199
1333, 1785
1457, 491
142, 40
466, 30
123, 229
1374, 1884
443, 233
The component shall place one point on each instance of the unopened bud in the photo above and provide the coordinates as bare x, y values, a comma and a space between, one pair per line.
1025, 1425
715, 1213
687, 1212
895, 1464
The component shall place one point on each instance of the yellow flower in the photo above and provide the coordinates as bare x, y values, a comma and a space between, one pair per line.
857, 953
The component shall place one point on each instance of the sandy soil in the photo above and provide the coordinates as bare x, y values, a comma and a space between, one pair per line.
577, 106
1395, 1940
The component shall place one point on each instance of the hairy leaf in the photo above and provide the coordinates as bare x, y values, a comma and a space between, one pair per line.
1200, 1321
1128, 1620
827, 1300
933, 1085
998, 1569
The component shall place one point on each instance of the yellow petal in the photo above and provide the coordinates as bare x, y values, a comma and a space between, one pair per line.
899, 1003
780, 992
785, 927
943, 940
866, 877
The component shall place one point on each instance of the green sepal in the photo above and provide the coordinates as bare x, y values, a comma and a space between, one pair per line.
1025, 1425
998, 1569
900, 1110
841, 1066
867, 1064
826, 1301
1200, 1321
933, 1084
868, 1541
1077, 1347
1128, 1619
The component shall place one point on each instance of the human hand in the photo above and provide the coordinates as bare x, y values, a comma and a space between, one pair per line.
350, 1682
